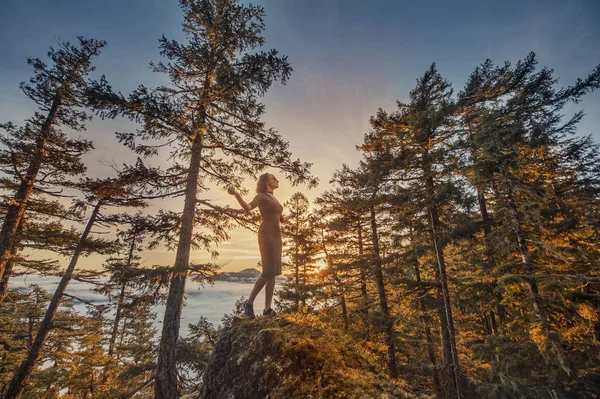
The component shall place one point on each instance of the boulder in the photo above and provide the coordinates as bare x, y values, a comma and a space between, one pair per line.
292, 356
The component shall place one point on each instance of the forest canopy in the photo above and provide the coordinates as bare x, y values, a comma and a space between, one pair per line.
461, 252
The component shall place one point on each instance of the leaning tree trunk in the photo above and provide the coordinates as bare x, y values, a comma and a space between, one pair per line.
21, 376
165, 386
490, 262
426, 324
364, 307
449, 351
536, 298
296, 268
528, 266
383, 306
338, 282
115, 330
7, 273
16, 208
118, 314
11, 263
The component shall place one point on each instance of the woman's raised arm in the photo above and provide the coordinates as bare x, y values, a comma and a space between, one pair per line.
247, 207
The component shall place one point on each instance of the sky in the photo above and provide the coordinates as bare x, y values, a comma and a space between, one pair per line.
349, 58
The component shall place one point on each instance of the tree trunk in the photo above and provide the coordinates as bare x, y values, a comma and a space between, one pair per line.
337, 281
451, 365
490, 260
426, 326
19, 379
165, 386
303, 287
16, 208
387, 319
364, 307
106, 375
115, 330
296, 268
528, 266
344, 307
7, 273
11, 263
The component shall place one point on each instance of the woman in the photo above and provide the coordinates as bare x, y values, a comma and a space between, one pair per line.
269, 240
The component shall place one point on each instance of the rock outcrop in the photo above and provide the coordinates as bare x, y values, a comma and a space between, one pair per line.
292, 357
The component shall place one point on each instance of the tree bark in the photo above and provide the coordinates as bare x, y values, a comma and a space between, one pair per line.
16, 208
364, 308
165, 386
337, 281
528, 266
296, 267
388, 321
21, 376
344, 308
490, 261
450, 354
426, 327
120, 304
7, 273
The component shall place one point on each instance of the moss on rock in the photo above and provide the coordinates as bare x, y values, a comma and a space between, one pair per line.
292, 356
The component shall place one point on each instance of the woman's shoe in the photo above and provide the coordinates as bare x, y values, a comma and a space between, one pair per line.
249, 310
269, 313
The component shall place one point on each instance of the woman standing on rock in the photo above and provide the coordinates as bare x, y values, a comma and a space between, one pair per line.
269, 240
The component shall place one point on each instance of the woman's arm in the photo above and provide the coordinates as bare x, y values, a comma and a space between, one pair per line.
247, 207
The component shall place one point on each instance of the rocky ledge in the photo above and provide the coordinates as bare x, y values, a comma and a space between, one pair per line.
291, 356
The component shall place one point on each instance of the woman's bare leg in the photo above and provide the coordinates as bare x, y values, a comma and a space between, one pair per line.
270, 288
260, 283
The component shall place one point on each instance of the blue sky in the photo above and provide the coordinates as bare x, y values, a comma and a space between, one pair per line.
349, 58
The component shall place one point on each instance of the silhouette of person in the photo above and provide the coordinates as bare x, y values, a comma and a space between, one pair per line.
269, 240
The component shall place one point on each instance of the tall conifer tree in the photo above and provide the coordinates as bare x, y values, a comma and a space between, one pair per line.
301, 252
100, 193
210, 116
420, 135
523, 157
39, 154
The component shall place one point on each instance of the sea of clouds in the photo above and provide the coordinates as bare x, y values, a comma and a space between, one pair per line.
210, 301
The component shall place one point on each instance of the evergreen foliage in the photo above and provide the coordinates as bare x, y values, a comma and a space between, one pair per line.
459, 258
209, 115
39, 155
299, 291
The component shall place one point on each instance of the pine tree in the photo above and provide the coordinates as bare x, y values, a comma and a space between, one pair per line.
300, 289
39, 155
210, 116
193, 352
370, 181
69, 359
20, 318
345, 219
522, 154
420, 135
105, 192
133, 290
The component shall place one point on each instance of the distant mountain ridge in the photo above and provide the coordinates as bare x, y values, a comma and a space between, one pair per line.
248, 275
241, 276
